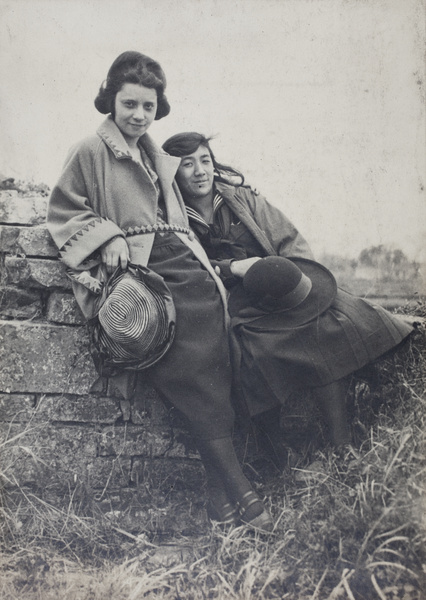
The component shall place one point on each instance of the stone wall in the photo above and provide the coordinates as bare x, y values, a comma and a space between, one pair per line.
59, 437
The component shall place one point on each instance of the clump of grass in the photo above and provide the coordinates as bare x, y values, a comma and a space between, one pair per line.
347, 527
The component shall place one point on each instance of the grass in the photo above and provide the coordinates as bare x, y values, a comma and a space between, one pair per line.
350, 527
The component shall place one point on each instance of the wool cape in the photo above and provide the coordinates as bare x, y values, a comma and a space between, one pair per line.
102, 193
99, 196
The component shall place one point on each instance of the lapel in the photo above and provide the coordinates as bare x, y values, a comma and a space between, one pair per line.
238, 206
166, 167
114, 139
164, 164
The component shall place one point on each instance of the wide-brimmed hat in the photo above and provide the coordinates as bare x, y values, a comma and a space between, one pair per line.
298, 288
136, 319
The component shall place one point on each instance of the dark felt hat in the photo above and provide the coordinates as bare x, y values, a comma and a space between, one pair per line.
298, 288
135, 323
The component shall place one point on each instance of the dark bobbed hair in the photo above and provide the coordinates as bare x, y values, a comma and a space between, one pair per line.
133, 67
183, 144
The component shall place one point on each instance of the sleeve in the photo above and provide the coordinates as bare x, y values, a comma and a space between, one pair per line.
226, 276
285, 239
75, 226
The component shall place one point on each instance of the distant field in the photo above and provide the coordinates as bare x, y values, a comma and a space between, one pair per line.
389, 294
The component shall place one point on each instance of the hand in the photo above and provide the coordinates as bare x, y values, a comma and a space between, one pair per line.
114, 253
240, 267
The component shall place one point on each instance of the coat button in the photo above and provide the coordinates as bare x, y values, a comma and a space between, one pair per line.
191, 236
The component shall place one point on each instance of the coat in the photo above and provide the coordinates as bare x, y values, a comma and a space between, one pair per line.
96, 199
275, 233
101, 193
271, 358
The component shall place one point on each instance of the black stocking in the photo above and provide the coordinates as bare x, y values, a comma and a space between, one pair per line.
224, 473
332, 401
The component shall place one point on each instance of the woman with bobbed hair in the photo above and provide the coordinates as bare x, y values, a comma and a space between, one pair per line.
292, 327
117, 204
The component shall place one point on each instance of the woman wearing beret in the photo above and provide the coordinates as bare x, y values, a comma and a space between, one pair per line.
293, 327
117, 204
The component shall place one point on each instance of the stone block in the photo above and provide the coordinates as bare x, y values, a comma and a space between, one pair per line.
16, 407
63, 308
105, 472
137, 441
19, 210
44, 455
17, 303
27, 241
44, 358
78, 409
36, 273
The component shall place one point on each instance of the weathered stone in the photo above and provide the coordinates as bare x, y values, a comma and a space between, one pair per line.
36, 272
20, 304
63, 308
135, 441
59, 433
125, 409
27, 241
16, 407
45, 358
78, 409
111, 472
18, 210
44, 454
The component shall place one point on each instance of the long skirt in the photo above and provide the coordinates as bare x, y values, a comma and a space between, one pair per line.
195, 374
277, 358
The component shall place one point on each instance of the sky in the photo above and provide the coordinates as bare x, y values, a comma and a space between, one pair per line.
320, 103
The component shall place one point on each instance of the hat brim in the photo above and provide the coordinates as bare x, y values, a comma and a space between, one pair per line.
108, 356
319, 299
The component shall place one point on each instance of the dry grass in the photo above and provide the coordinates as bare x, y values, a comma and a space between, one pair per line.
346, 527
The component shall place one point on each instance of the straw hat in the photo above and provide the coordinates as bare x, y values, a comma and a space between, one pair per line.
135, 320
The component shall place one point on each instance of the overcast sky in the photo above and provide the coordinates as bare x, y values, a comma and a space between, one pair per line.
320, 103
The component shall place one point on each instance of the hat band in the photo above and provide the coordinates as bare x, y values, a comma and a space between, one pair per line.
290, 300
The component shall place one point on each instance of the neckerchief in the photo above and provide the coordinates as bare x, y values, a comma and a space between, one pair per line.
215, 237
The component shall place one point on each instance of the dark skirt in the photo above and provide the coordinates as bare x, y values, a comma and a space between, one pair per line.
195, 374
349, 335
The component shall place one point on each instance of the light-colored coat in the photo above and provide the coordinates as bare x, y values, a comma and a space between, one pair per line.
101, 193
269, 226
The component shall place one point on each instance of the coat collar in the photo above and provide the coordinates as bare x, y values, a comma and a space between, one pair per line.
227, 190
165, 165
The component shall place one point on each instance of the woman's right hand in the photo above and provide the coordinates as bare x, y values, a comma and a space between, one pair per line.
240, 267
114, 253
